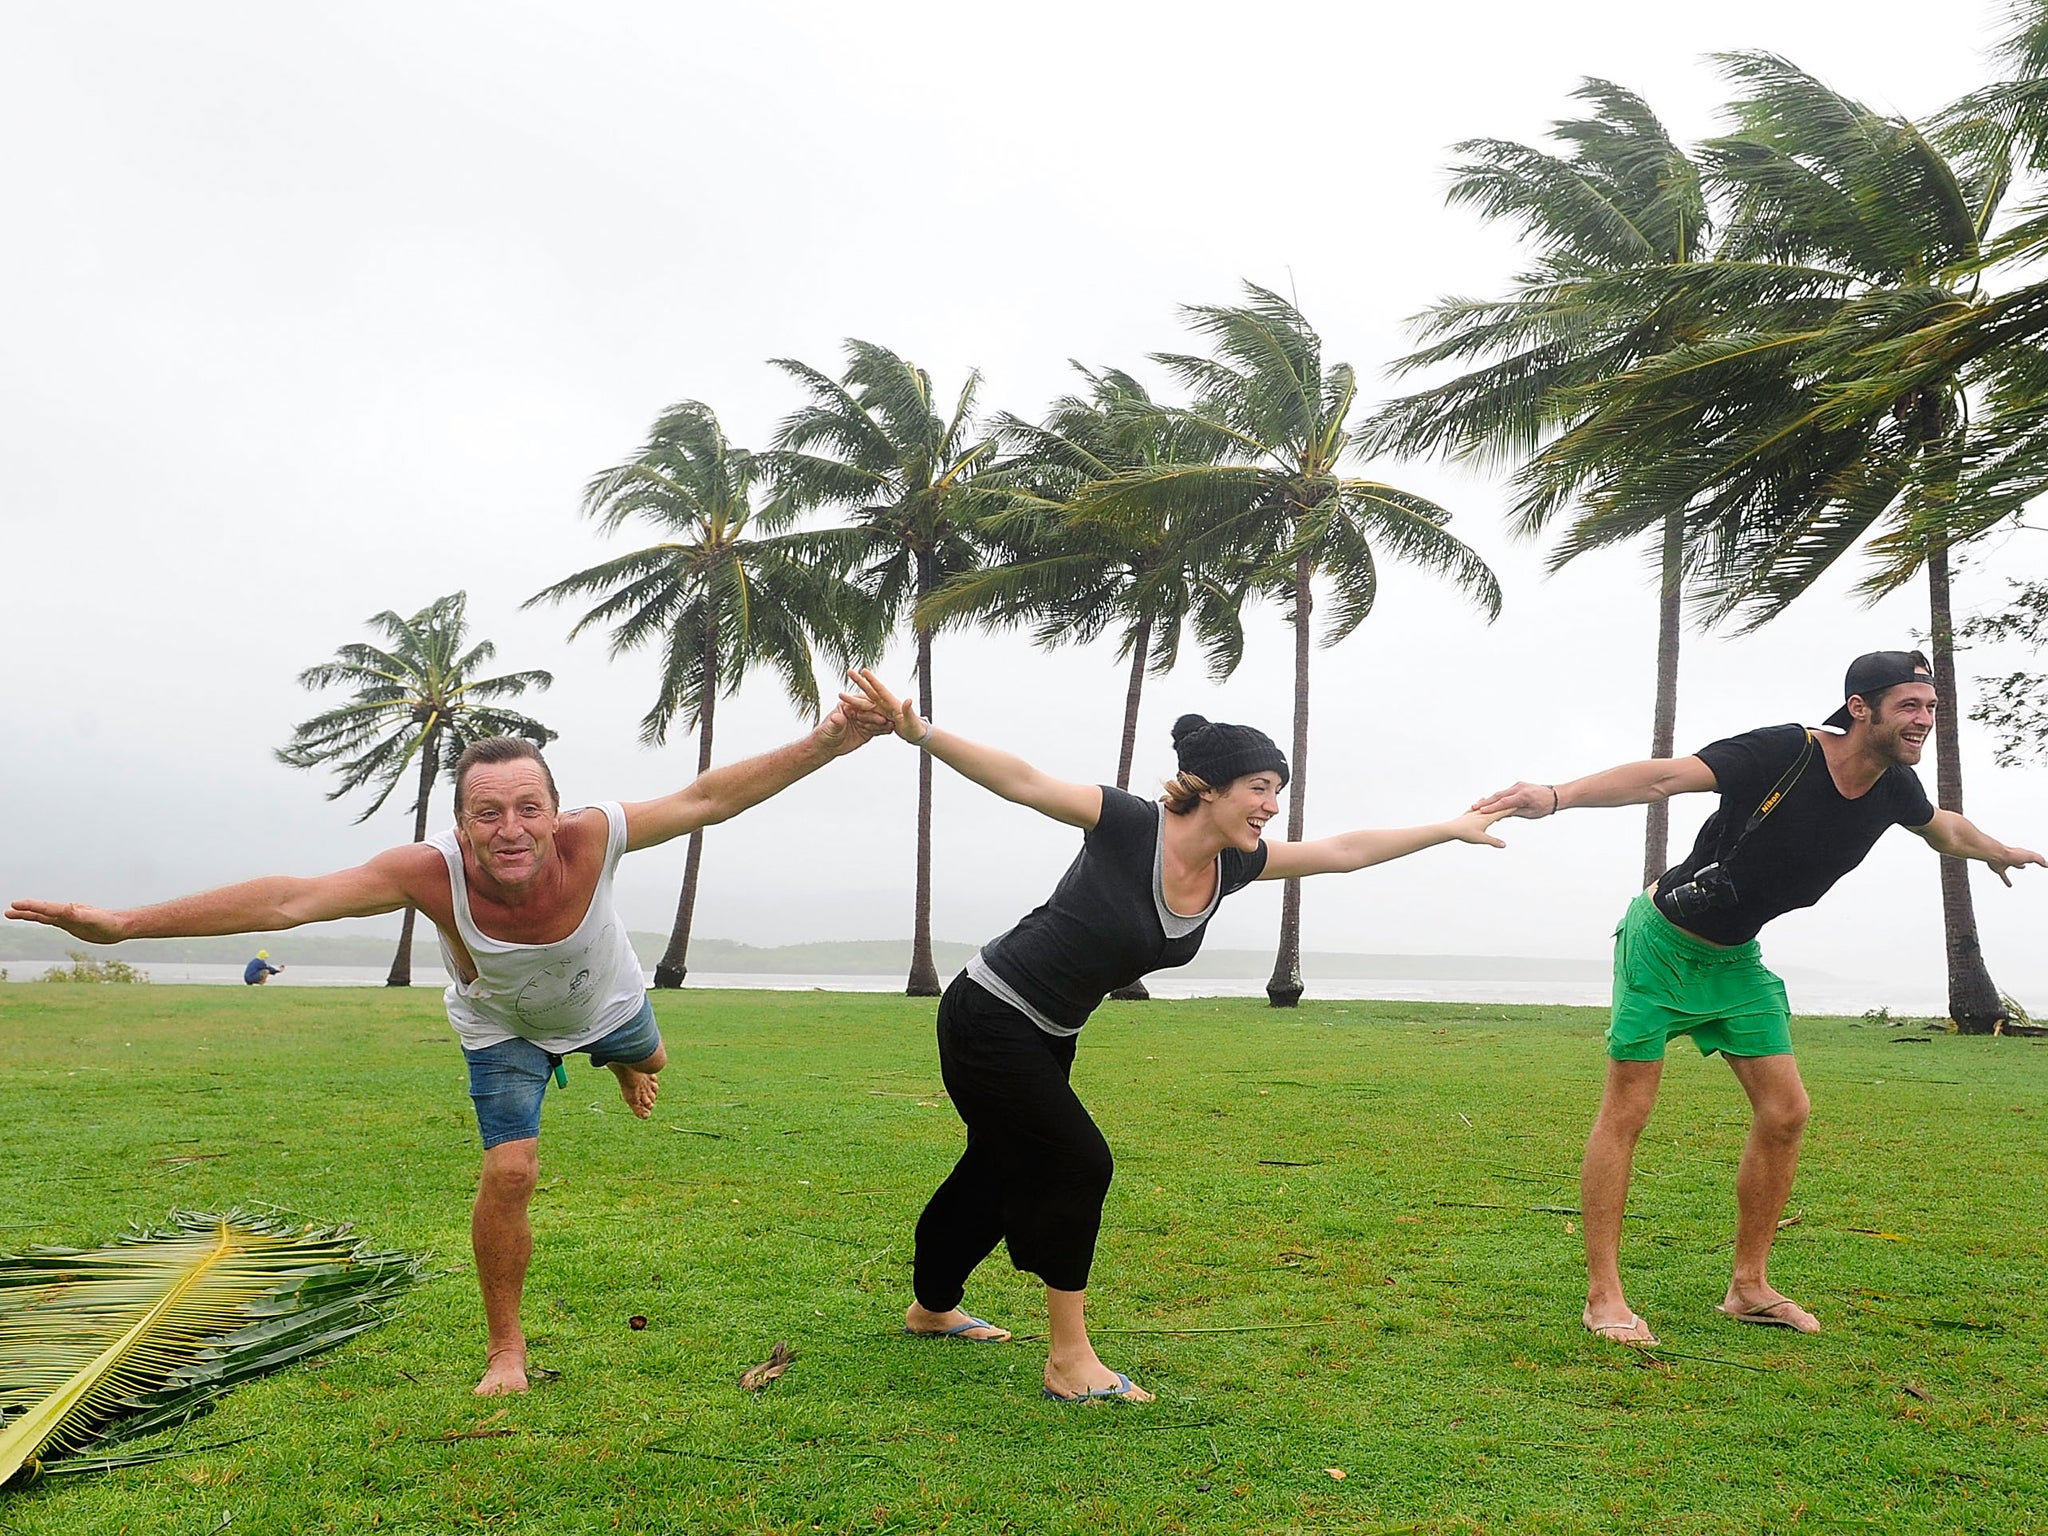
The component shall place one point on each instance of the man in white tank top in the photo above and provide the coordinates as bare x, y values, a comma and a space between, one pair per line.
520, 892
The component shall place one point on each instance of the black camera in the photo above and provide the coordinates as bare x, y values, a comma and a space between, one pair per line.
1709, 890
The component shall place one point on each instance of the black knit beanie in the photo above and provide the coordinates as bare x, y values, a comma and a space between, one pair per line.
1216, 753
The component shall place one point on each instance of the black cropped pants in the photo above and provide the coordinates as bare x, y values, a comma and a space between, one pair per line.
1036, 1169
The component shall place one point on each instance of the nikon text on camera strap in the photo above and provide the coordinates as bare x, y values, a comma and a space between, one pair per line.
1769, 803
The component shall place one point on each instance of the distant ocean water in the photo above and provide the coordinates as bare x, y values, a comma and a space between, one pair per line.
1832, 996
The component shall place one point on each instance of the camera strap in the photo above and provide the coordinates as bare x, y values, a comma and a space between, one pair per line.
1770, 802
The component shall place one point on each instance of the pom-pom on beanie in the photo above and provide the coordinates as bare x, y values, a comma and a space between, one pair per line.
1216, 753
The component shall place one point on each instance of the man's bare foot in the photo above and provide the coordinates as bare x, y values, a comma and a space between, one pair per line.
504, 1372
636, 1088
1086, 1376
1770, 1309
954, 1325
1620, 1325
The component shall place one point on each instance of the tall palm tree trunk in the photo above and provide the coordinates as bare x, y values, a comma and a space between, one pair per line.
1973, 1000
924, 975
1283, 987
1141, 645
430, 764
1664, 727
674, 963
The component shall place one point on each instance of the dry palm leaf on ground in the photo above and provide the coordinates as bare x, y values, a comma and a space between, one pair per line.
102, 1346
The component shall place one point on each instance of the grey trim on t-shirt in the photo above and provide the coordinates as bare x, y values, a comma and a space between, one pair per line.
1176, 926
979, 973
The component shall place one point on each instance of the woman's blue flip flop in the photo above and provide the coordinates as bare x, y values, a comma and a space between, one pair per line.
961, 1332
1124, 1388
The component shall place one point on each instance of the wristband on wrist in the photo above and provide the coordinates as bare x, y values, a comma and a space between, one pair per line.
927, 736
1555, 804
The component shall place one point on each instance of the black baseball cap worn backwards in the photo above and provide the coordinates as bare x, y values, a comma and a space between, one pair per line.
1216, 753
1875, 671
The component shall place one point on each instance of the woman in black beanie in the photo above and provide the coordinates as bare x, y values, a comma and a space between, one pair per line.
1136, 899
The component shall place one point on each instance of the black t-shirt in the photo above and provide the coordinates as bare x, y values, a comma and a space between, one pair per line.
1810, 840
1101, 927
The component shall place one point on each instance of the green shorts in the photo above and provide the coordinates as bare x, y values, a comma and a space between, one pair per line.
1666, 982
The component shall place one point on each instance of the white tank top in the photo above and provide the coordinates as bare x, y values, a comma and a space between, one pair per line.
561, 996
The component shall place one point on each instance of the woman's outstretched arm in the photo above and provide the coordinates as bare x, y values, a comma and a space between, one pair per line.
1003, 773
1347, 851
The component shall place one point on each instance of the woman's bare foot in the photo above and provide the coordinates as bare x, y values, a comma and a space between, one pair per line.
504, 1372
954, 1324
1086, 1375
636, 1088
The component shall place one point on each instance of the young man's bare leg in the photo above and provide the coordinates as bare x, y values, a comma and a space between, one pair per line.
1072, 1368
637, 1083
1763, 1184
1625, 1105
503, 1240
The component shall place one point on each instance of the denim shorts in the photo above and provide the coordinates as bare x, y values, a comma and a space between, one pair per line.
508, 1080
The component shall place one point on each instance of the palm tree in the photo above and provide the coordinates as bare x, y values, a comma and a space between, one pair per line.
416, 697
1074, 578
1835, 404
1283, 510
1621, 197
729, 589
873, 445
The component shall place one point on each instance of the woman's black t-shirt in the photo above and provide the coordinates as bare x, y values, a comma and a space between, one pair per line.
1105, 924
1812, 838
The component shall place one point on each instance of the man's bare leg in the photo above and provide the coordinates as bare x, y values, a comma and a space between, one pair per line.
637, 1084
1625, 1105
1763, 1184
503, 1240
1072, 1368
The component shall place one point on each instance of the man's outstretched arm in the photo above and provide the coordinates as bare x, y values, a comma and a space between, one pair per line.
1654, 778
254, 906
1960, 838
723, 793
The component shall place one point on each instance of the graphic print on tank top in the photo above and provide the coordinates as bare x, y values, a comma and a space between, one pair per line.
560, 997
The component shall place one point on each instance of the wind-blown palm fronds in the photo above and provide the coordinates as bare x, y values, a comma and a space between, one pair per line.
1616, 207
729, 589
914, 484
1280, 511
418, 696
118, 1342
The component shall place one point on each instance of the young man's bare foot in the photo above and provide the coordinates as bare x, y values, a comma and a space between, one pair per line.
1771, 1309
953, 1325
1618, 1324
504, 1372
636, 1088
1086, 1376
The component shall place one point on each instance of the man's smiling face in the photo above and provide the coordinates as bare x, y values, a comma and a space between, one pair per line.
508, 820
1900, 722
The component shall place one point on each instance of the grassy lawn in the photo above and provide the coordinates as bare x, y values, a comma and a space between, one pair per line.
1339, 1238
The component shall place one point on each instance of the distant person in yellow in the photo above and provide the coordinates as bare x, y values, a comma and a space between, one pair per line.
259, 971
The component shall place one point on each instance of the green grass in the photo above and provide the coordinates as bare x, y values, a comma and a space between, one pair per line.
1360, 1187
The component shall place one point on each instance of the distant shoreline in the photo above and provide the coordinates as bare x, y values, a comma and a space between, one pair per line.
22, 945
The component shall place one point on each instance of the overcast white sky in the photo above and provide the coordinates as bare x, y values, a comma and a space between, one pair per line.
320, 311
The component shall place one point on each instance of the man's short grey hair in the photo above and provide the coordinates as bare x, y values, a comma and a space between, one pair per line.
502, 749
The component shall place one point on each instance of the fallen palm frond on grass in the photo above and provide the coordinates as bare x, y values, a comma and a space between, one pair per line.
105, 1345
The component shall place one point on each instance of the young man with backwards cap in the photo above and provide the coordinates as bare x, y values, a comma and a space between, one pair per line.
1137, 897
1799, 810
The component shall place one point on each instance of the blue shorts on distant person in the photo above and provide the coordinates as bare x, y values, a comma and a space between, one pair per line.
508, 1080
